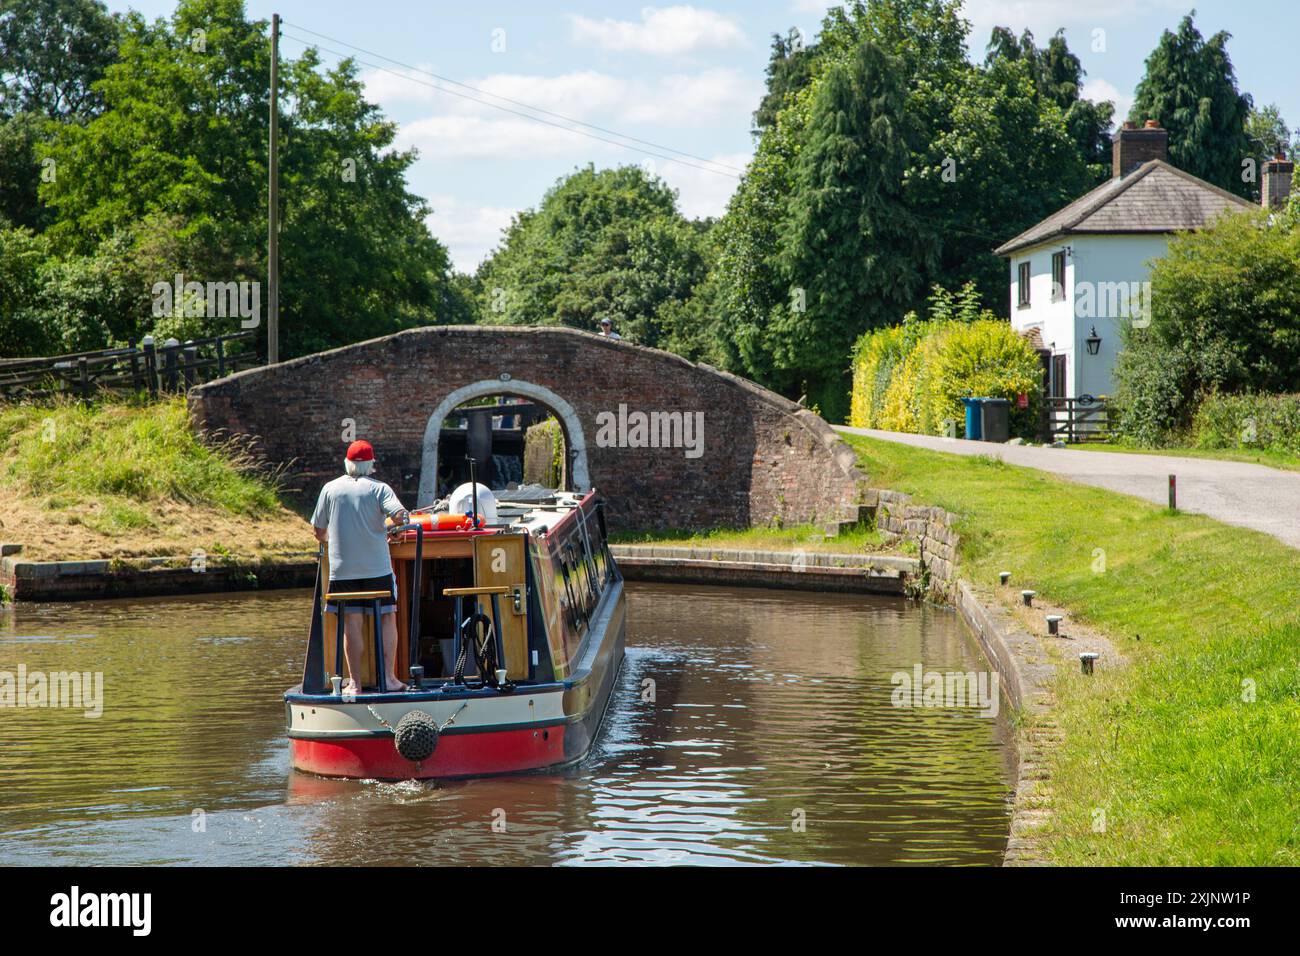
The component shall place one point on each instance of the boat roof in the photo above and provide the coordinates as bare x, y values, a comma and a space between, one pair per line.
534, 512
532, 508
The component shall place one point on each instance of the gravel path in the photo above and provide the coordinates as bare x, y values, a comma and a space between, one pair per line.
1251, 496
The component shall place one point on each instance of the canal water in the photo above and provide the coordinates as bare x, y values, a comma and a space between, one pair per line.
748, 727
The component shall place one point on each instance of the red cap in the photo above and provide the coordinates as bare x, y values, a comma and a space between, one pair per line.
361, 451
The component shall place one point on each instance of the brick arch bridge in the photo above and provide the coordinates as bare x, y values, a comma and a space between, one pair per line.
756, 458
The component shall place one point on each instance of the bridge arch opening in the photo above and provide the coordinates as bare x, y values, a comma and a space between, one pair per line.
577, 473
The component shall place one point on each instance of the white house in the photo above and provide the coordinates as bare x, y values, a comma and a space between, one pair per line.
1079, 272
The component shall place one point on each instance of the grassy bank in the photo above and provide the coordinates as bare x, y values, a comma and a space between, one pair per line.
1191, 751
120, 479
1258, 456
806, 537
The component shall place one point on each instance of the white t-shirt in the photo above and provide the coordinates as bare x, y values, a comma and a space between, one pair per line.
352, 510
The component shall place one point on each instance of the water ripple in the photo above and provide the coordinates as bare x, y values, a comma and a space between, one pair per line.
768, 738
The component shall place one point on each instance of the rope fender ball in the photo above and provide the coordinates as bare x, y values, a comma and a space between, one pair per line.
416, 736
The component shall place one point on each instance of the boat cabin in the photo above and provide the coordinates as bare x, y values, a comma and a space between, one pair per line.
529, 583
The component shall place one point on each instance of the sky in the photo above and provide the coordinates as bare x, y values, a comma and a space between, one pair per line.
671, 87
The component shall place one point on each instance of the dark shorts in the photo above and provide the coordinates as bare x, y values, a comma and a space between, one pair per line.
385, 582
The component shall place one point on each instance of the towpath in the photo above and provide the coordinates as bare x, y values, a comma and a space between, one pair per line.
1250, 496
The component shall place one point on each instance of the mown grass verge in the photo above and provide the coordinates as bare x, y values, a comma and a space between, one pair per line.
1273, 458
1189, 754
809, 537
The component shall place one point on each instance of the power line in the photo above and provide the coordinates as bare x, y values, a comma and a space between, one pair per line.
734, 170
528, 106
914, 216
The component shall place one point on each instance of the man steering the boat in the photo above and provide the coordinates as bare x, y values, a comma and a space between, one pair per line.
350, 517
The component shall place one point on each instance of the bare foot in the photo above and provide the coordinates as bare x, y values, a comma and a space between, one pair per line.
351, 688
393, 685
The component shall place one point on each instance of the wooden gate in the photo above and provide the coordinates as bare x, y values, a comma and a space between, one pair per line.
1073, 420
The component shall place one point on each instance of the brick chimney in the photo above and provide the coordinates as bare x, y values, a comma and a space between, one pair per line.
1131, 147
1277, 182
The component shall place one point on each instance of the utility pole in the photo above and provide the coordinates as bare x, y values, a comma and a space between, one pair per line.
273, 207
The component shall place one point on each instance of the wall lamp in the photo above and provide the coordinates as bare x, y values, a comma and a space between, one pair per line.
1093, 342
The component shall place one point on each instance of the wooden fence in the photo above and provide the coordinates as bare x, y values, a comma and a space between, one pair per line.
170, 367
1072, 420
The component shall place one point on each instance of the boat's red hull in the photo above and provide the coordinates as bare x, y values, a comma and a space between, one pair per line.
458, 755
484, 730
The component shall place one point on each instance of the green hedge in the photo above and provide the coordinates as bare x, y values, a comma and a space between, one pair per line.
912, 377
1225, 319
1268, 422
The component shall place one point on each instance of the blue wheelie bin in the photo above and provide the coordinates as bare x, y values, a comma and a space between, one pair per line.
974, 419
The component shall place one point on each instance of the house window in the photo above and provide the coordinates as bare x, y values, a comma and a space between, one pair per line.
1022, 285
1058, 276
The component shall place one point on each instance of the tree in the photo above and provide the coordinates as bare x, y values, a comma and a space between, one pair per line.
789, 69
181, 145
1268, 134
20, 174
747, 282
21, 330
1001, 157
1190, 88
1225, 317
847, 248
972, 156
51, 53
602, 243
1058, 77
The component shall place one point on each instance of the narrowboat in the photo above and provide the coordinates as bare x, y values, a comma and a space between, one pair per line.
511, 626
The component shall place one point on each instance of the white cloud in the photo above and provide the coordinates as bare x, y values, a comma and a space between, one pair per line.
818, 7
702, 193
681, 99
392, 87
1097, 89
575, 94
1045, 17
690, 99
661, 32
470, 231
496, 136
463, 129
579, 94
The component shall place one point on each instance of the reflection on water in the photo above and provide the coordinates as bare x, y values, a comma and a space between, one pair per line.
748, 727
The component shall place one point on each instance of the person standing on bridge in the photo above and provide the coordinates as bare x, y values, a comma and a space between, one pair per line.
350, 517
607, 329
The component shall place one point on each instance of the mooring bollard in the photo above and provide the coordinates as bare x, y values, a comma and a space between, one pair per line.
1028, 597
1054, 624
1004, 577
1086, 659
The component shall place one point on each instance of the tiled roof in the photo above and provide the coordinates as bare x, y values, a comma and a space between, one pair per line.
1156, 197
1035, 336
